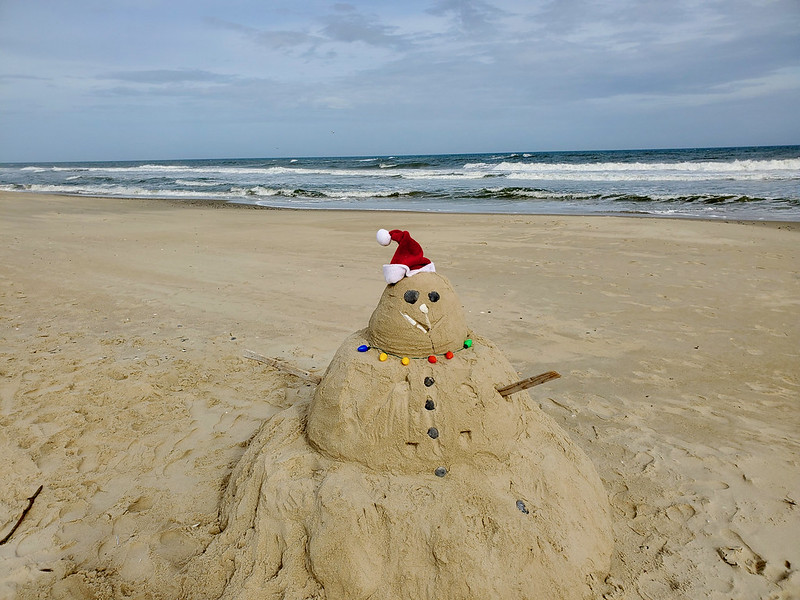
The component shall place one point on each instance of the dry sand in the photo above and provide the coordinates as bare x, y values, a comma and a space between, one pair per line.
123, 391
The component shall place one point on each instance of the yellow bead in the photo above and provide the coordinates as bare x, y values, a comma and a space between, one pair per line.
405, 360
383, 356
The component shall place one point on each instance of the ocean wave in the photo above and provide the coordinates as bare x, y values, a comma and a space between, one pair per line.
117, 191
412, 170
418, 170
187, 173
197, 183
414, 164
331, 194
106, 186
779, 169
525, 194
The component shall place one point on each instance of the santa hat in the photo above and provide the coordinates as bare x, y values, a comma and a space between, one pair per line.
408, 259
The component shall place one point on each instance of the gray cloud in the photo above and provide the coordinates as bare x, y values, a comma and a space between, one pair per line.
528, 54
348, 25
168, 76
271, 38
17, 77
344, 25
469, 16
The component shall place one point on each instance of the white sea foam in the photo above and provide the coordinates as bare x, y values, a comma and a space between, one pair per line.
196, 183
172, 170
433, 175
785, 169
345, 194
111, 190
737, 170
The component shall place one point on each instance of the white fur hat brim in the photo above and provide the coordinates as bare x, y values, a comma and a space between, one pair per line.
393, 273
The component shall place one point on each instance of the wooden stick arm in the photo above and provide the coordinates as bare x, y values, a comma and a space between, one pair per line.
282, 366
526, 383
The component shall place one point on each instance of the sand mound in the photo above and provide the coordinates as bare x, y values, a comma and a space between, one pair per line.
410, 479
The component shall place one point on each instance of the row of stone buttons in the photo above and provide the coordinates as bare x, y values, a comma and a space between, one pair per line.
433, 433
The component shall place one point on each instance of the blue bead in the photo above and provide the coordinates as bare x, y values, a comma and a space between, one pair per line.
363, 348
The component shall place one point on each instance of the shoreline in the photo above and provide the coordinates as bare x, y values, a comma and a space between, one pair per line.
228, 204
125, 393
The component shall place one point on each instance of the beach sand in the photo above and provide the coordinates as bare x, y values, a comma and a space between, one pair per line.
125, 395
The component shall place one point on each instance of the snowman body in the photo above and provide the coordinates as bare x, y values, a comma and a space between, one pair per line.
415, 391
483, 493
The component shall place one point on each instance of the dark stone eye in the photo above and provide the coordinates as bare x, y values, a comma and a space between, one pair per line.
411, 296
434, 296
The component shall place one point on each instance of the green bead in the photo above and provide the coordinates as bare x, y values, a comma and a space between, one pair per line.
467, 343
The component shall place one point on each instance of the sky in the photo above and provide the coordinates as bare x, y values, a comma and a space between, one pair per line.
147, 79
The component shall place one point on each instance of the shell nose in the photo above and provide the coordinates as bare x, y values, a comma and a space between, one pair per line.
423, 308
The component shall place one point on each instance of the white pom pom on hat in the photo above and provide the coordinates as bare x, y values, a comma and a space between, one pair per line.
384, 237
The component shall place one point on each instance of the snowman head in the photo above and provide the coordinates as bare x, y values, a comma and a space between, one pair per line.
418, 316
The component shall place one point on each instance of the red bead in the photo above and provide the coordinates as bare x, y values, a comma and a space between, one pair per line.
449, 355
431, 359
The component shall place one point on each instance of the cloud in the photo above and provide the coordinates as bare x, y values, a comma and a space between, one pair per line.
275, 39
11, 77
325, 35
468, 16
168, 76
777, 82
476, 56
348, 25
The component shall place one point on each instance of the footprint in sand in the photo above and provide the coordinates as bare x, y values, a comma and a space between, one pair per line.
739, 554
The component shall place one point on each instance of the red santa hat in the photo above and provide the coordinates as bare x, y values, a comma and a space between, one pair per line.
408, 259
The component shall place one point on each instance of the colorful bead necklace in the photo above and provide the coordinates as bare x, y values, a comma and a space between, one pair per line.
383, 355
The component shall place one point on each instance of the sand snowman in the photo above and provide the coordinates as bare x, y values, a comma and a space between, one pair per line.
409, 476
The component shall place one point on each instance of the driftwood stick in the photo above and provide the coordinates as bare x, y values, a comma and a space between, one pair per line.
282, 366
22, 516
526, 383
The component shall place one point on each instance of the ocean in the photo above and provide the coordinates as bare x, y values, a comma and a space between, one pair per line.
760, 183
